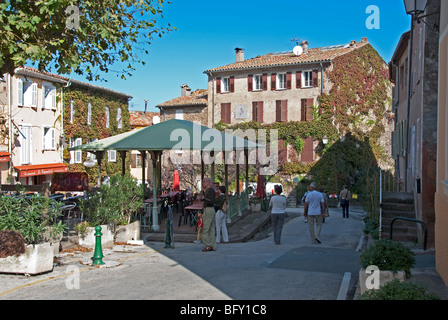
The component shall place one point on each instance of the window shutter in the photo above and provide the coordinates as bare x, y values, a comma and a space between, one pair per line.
284, 111
34, 95
303, 110
265, 81
307, 154
89, 114
250, 82
315, 78
53, 139
133, 160
299, 79
218, 85
72, 111
278, 110
288, 80
309, 109
19, 92
232, 84
254, 111
273, 81
53, 98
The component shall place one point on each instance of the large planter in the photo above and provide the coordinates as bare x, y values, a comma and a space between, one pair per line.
36, 259
128, 232
255, 207
87, 239
385, 276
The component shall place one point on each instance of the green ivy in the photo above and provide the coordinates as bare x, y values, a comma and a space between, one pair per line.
81, 97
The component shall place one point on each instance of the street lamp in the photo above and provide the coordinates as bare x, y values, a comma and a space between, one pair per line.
89, 163
324, 140
415, 7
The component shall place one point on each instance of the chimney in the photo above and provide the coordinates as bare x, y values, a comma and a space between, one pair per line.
352, 43
304, 45
146, 105
364, 40
239, 54
185, 90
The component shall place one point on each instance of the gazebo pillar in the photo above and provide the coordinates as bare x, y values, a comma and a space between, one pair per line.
155, 217
123, 162
99, 158
238, 202
246, 159
143, 153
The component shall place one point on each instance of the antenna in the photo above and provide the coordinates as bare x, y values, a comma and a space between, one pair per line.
296, 40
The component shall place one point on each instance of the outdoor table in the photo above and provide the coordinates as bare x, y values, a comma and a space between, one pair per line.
193, 210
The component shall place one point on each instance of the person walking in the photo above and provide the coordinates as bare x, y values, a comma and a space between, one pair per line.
303, 201
345, 201
221, 217
277, 204
208, 230
326, 214
314, 209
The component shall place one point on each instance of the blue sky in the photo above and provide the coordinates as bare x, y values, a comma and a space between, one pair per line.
208, 31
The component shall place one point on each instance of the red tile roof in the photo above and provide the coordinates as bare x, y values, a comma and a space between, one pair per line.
141, 118
198, 97
290, 59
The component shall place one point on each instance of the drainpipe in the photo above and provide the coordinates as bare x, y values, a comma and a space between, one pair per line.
10, 135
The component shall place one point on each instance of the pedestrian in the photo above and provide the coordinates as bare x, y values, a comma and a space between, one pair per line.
208, 216
303, 201
221, 217
277, 205
314, 208
326, 213
345, 201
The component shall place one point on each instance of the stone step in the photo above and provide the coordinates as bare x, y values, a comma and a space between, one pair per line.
393, 206
397, 197
392, 214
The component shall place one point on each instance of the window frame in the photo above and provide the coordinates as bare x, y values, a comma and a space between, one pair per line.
307, 83
258, 82
48, 142
281, 80
225, 84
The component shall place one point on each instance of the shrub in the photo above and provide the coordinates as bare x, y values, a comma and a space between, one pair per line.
389, 255
31, 217
115, 202
398, 290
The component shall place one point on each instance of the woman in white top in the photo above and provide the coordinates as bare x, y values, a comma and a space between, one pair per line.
278, 206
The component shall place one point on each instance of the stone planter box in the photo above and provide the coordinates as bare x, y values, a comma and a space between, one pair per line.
128, 232
255, 207
36, 259
87, 239
384, 277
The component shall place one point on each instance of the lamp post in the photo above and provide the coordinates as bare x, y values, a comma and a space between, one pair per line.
415, 7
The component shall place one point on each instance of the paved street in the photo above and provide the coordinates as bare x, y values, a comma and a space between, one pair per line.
258, 270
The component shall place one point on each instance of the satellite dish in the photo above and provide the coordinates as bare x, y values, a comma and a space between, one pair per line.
156, 120
298, 50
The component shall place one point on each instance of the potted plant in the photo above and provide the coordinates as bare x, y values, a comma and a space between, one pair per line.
391, 258
36, 220
113, 207
399, 290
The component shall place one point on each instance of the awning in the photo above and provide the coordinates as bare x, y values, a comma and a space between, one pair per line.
41, 169
5, 156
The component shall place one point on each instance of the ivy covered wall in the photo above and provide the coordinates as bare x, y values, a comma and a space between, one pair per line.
97, 129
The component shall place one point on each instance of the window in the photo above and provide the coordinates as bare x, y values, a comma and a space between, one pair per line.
225, 84
72, 111
307, 80
281, 110
119, 119
258, 82
75, 156
89, 114
180, 114
48, 97
26, 93
257, 111
112, 155
281, 81
226, 113
25, 140
306, 113
107, 116
48, 140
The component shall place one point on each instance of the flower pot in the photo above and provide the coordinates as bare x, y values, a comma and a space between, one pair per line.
87, 239
128, 232
385, 276
36, 259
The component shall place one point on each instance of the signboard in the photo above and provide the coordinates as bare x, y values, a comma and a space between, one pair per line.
241, 112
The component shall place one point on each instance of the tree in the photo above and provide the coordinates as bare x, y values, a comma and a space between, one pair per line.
85, 36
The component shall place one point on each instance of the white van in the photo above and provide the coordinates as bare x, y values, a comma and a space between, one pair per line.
270, 188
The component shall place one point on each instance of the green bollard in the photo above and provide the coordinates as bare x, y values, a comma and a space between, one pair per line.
167, 234
98, 254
